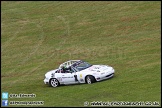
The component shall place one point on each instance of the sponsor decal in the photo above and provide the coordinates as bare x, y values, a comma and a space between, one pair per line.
80, 75
68, 77
103, 73
97, 68
94, 68
52, 75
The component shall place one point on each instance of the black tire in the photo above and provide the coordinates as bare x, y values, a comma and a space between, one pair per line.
54, 82
90, 79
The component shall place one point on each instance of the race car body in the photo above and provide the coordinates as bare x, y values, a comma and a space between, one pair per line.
78, 71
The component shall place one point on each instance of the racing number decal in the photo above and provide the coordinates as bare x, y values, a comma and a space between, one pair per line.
75, 76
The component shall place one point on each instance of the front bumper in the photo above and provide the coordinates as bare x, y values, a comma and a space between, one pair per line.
46, 81
105, 76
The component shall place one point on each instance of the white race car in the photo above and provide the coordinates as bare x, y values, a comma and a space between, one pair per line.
77, 71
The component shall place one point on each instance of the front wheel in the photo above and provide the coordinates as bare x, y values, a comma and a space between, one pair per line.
90, 79
54, 82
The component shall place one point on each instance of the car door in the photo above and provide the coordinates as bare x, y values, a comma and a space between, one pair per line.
68, 78
78, 75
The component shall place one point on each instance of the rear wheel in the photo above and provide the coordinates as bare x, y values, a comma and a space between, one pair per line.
54, 82
90, 79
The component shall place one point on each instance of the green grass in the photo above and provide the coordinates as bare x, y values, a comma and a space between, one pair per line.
37, 36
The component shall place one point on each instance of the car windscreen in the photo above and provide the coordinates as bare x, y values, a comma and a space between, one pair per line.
83, 66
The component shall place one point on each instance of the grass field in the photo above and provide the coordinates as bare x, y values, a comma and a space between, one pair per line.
37, 36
